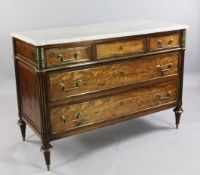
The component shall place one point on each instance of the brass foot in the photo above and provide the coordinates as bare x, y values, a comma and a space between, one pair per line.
178, 111
22, 126
48, 167
46, 151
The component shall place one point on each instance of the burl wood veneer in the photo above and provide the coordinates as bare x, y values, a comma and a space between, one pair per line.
67, 84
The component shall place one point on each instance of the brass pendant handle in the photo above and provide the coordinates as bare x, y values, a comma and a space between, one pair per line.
79, 118
171, 41
162, 70
64, 119
169, 94
76, 55
76, 84
160, 42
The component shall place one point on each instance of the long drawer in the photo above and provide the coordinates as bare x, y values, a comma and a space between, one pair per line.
69, 117
65, 84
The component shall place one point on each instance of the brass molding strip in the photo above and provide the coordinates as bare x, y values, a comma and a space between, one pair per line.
40, 59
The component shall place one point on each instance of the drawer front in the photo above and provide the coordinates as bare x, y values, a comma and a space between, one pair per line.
120, 48
65, 84
66, 118
164, 42
58, 56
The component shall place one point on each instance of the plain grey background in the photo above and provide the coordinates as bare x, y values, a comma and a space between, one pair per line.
148, 145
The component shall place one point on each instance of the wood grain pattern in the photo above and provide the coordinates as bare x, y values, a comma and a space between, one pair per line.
164, 42
110, 76
25, 51
69, 55
111, 107
29, 99
119, 48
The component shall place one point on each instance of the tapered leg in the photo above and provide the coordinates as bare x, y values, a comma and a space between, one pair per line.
46, 149
178, 111
22, 126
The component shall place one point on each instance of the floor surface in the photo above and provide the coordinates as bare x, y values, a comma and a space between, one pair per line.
149, 145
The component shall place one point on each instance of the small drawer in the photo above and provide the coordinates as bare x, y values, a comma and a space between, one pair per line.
72, 83
107, 108
120, 48
63, 55
164, 41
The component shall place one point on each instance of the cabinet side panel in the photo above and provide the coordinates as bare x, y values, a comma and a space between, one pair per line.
29, 99
25, 51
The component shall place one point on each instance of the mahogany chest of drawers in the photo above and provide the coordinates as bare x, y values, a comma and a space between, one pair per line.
76, 79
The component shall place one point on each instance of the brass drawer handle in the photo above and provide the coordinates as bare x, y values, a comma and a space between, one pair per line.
162, 70
160, 43
66, 89
79, 118
75, 56
169, 94
171, 41
64, 119
61, 58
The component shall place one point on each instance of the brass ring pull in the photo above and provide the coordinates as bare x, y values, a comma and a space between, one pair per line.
64, 119
66, 89
79, 118
164, 98
162, 70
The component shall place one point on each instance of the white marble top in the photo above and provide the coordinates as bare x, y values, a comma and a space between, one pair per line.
95, 31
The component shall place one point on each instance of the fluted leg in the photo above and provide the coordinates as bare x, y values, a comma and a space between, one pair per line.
46, 149
178, 111
22, 126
